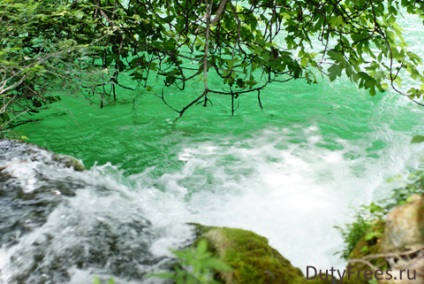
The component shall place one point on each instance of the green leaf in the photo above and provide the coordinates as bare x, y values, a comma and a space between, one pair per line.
79, 14
335, 71
417, 139
336, 21
371, 235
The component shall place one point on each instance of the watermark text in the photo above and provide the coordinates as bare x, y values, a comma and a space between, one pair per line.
351, 273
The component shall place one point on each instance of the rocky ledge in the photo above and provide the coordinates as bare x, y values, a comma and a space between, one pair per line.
396, 254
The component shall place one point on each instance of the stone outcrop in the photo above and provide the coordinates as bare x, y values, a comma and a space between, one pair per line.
405, 227
399, 252
403, 242
251, 258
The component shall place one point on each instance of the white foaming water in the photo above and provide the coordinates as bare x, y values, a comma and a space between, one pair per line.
98, 227
293, 194
280, 183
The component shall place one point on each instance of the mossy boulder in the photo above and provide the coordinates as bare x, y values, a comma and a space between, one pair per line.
251, 258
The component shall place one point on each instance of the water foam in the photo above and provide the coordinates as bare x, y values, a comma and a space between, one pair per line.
293, 194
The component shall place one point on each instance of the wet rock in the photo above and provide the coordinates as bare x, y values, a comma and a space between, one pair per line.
16, 151
405, 227
29, 188
55, 220
121, 250
69, 162
403, 242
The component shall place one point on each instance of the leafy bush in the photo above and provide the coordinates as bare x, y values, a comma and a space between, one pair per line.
195, 265
353, 232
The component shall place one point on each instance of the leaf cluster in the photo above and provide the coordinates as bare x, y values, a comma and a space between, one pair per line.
195, 265
243, 45
363, 226
40, 42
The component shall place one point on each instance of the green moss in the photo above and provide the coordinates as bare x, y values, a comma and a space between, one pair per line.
251, 258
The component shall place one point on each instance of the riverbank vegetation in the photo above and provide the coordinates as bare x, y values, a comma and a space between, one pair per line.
387, 235
369, 216
85, 47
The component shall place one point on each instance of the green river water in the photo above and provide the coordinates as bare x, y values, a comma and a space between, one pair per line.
289, 172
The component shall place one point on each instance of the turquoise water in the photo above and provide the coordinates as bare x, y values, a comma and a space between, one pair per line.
290, 172
143, 133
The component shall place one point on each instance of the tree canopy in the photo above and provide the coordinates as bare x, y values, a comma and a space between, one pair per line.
46, 45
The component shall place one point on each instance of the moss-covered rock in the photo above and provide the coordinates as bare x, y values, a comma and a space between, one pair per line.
251, 258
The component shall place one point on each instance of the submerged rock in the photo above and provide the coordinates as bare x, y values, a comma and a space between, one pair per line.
69, 162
